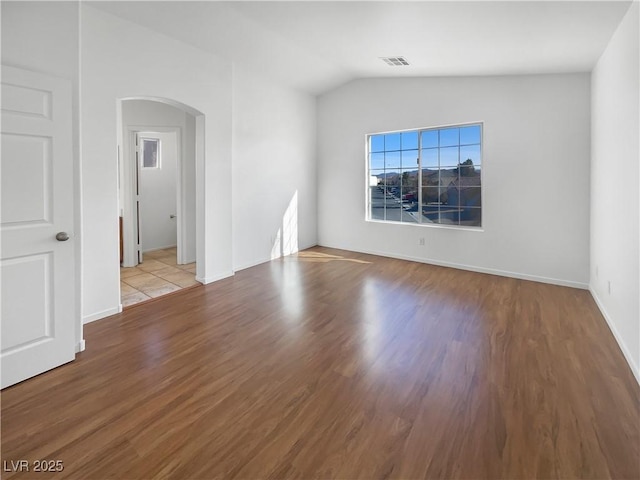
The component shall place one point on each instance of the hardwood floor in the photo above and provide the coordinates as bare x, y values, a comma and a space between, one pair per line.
332, 364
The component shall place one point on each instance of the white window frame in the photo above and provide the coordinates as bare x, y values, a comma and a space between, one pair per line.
158, 156
420, 223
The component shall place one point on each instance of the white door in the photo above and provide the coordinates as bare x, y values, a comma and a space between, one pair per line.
157, 190
37, 270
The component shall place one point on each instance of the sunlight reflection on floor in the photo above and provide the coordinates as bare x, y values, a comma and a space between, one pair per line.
322, 258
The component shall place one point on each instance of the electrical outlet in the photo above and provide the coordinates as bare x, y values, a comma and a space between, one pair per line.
596, 271
421, 241
609, 286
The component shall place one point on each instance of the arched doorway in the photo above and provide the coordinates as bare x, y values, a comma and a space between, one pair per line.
160, 145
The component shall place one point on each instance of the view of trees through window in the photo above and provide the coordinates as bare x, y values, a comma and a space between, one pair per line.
428, 176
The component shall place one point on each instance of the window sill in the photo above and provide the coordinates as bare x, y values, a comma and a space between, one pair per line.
428, 225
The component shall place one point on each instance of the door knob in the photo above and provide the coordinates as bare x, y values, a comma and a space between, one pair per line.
62, 236
172, 215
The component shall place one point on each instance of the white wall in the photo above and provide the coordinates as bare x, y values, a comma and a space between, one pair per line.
43, 37
189, 189
274, 176
535, 171
615, 203
112, 68
158, 196
143, 113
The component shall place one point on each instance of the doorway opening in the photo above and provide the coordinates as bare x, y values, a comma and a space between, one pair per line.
157, 162
157, 275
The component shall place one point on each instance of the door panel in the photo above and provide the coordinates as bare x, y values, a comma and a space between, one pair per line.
26, 101
158, 193
26, 179
38, 272
20, 278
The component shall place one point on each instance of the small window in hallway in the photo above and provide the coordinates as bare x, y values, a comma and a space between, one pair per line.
150, 150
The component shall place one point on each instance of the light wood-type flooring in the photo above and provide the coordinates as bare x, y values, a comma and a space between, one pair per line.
331, 364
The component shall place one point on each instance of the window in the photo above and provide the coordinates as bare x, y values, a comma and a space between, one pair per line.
150, 148
428, 176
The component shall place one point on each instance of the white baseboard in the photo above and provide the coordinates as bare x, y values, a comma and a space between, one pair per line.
81, 346
215, 278
98, 315
252, 264
155, 249
473, 268
244, 266
616, 335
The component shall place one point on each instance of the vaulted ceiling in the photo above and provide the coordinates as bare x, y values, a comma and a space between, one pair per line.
317, 45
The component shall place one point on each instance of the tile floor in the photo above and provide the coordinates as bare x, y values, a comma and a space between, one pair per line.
157, 275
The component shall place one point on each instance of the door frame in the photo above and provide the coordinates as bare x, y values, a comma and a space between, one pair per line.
130, 179
201, 257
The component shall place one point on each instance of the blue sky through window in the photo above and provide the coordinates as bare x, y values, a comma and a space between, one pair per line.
446, 147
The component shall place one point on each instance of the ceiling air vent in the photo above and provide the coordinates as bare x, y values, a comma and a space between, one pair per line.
395, 61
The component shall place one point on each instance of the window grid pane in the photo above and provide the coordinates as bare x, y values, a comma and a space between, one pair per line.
427, 176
